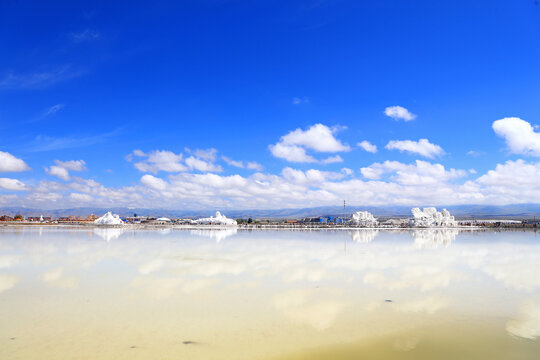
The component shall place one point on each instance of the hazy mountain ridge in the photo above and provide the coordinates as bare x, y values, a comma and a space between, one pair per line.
486, 211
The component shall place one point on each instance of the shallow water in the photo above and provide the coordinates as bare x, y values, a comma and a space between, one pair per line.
73, 293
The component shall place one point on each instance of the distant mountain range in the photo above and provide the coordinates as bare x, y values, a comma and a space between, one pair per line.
461, 211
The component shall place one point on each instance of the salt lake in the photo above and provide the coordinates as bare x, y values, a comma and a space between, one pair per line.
110, 293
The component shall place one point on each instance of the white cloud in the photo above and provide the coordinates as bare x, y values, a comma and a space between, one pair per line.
160, 160
73, 165
12, 184
332, 160
310, 176
62, 168
421, 147
253, 165
420, 173
291, 153
229, 161
58, 171
399, 113
511, 182
164, 160
154, 182
9, 163
202, 165
320, 138
519, 135
206, 154
474, 153
367, 146
80, 197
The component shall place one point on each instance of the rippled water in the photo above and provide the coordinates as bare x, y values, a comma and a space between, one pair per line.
72, 293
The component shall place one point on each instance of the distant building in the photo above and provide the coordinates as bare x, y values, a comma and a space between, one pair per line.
162, 221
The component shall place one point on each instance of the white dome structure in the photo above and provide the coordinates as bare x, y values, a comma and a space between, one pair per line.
364, 218
219, 219
109, 219
430, 217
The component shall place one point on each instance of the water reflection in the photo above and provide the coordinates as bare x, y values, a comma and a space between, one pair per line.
363, 235
285, 291
527, 325
433, 238
216, 234
108, 234
7, 282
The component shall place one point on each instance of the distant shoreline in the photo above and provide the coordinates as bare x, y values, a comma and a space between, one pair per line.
255, 226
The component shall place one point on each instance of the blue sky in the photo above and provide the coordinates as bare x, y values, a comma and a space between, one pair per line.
84, 85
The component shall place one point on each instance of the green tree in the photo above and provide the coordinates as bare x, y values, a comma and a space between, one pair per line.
18, 217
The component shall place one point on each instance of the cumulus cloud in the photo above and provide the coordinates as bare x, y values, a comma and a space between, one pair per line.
319, 138
168, 161
160, 160
399, 113
519, 135
202, 165
311, 176
421, 147
291, 153
9, 163
12, 184
420, 173
62, 168
154, 182
80, 197
367, 146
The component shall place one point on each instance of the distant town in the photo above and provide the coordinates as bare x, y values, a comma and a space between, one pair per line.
327, 221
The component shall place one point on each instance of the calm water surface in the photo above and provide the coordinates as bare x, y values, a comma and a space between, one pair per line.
68, 293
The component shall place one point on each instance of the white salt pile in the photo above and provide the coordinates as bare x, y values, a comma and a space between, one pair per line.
109, 219
217, 220
364, 218
430, 217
